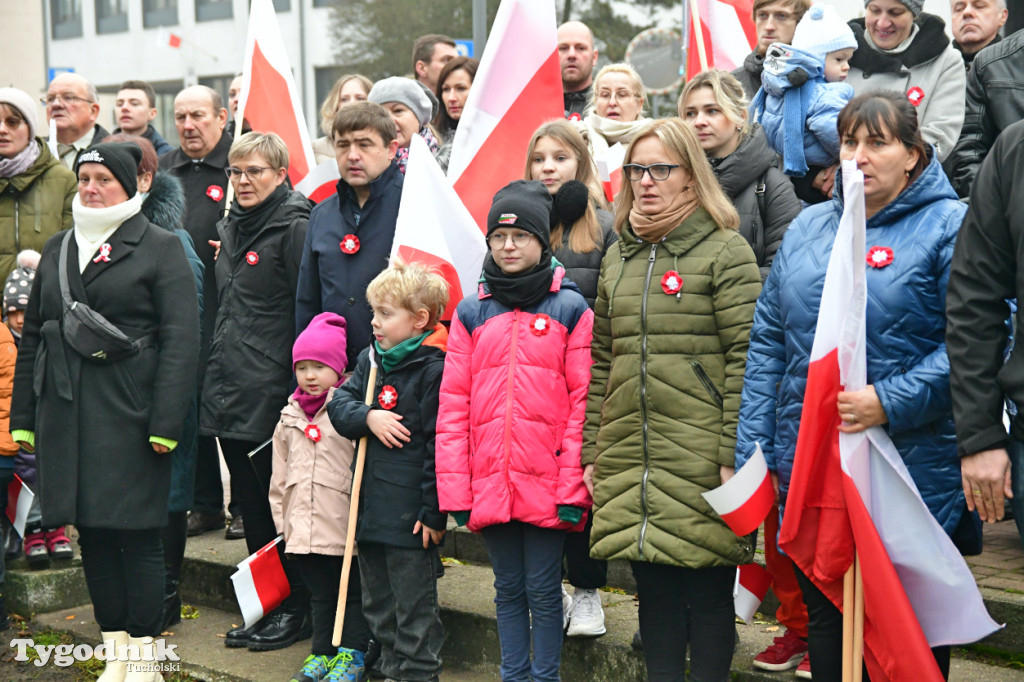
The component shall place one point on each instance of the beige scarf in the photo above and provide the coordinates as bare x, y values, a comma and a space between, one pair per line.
655, 228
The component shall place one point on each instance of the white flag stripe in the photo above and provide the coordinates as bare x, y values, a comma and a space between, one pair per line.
248, 598
731, 495
324, 173
745, 603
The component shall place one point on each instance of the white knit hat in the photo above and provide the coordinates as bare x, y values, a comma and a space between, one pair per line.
821, 31
20, 100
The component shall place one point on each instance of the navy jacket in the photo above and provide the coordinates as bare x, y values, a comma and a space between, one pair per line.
333, 281
906, 337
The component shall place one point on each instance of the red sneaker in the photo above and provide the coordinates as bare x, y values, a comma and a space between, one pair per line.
787, 652
803, 671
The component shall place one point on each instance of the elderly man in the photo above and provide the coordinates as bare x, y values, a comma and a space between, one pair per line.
136, 108
200, 117
976, 24
429, 55
577, 58
71, 104
776, 22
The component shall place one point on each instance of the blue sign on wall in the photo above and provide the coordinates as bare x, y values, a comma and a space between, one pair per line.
464, 48
55, 71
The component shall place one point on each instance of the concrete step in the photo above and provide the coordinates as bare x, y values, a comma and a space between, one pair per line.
471, 648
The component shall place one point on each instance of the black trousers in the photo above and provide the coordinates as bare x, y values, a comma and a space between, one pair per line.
251, 481
124, 571
825, 635
322, 575
582, 571
209, 489
683, 607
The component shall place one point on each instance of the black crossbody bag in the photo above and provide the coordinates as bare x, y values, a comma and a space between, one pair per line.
85, 330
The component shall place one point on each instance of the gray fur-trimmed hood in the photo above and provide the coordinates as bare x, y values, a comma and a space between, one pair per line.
165, 204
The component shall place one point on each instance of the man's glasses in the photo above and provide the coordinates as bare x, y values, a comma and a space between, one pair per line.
65, 99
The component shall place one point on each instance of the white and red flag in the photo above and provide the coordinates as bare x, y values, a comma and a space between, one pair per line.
729, 34
260, 583
744, 500
19, 501
269, 99
752, 583
435, 229
609, 168
852, 492
321, 182
517, 88
168, 38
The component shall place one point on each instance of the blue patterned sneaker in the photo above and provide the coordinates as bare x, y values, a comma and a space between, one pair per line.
314, 668
347, 666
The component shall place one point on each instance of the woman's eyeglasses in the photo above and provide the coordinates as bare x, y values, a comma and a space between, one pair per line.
497, 240
253, 173
659, 171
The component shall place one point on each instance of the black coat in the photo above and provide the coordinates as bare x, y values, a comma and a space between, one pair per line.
204, 206
399, 485
93, 422
250, 366
584, 269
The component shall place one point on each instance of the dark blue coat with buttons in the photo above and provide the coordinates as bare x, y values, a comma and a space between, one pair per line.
906, 348
333, 281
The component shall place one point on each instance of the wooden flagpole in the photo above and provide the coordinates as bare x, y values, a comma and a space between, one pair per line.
698, 33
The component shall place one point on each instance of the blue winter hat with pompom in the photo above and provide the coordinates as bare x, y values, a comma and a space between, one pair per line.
821, 31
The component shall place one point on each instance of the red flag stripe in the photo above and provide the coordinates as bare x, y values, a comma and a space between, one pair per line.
266, 111
751, 513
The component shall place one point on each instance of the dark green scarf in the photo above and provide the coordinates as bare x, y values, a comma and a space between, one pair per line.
389, 359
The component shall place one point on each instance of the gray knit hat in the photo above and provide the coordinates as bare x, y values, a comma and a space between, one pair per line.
915, 6
406, 91
20, 100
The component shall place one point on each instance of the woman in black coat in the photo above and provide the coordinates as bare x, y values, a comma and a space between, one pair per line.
249, 373
102, 426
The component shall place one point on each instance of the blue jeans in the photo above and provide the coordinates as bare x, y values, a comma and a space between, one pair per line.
527, 563
1016, 452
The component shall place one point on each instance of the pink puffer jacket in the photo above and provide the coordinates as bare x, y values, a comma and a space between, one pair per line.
513, 399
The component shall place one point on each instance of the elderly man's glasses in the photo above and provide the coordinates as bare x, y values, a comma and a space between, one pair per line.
65, 99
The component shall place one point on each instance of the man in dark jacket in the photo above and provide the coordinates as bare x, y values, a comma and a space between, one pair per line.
136, 107
349, 237
994, 101
776, 22
577, 58
987, 270
976, 25
199, 163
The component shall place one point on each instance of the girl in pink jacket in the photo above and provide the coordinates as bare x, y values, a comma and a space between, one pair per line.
509, 426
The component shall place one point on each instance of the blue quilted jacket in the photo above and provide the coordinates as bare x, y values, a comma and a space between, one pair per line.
906, 346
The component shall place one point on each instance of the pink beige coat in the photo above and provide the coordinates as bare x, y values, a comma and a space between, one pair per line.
311, 482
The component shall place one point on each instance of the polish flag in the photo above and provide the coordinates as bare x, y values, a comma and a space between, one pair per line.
609, 167
729, 34
321, 182
517, 88
260, 583
19, 501
745, 500
434, 227
269, 99
852, 492
165, 37
752, 583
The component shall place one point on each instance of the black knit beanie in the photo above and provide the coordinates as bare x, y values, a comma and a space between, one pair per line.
121, 159
523, 204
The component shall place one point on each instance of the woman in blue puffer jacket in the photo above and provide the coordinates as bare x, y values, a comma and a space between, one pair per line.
912, 220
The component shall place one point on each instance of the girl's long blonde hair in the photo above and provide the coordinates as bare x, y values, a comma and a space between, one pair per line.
584, 235
681, 143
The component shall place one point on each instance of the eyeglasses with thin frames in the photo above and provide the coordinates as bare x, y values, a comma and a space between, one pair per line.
498, 241
254, 173
65, 99
659, 171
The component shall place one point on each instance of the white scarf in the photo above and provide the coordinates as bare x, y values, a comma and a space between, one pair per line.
93, 226
604, 132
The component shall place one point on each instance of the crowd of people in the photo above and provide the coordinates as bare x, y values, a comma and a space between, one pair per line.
623, 355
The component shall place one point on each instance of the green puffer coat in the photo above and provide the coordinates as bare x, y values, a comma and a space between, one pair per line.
665, 393
34, 206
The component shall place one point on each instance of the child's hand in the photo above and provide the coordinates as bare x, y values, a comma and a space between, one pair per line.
429, 534
387, 427
825, 180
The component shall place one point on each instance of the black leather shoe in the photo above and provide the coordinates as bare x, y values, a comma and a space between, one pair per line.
12, 543
283, 629
236, 529
239, 637
199, 523
172, 608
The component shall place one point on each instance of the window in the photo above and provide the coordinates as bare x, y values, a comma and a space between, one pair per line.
324, 3
159, 13
282, 5
111, 16
221, 84
325, 77
66, 18
208, 10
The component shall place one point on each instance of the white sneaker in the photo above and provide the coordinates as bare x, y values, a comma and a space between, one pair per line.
566, 607
587, 615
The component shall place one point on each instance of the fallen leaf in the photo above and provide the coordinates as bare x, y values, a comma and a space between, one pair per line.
774, 628
167, 633
234, 625
71, 617
222, 635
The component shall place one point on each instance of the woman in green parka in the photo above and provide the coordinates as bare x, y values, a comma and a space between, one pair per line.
35, 189
674, 310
